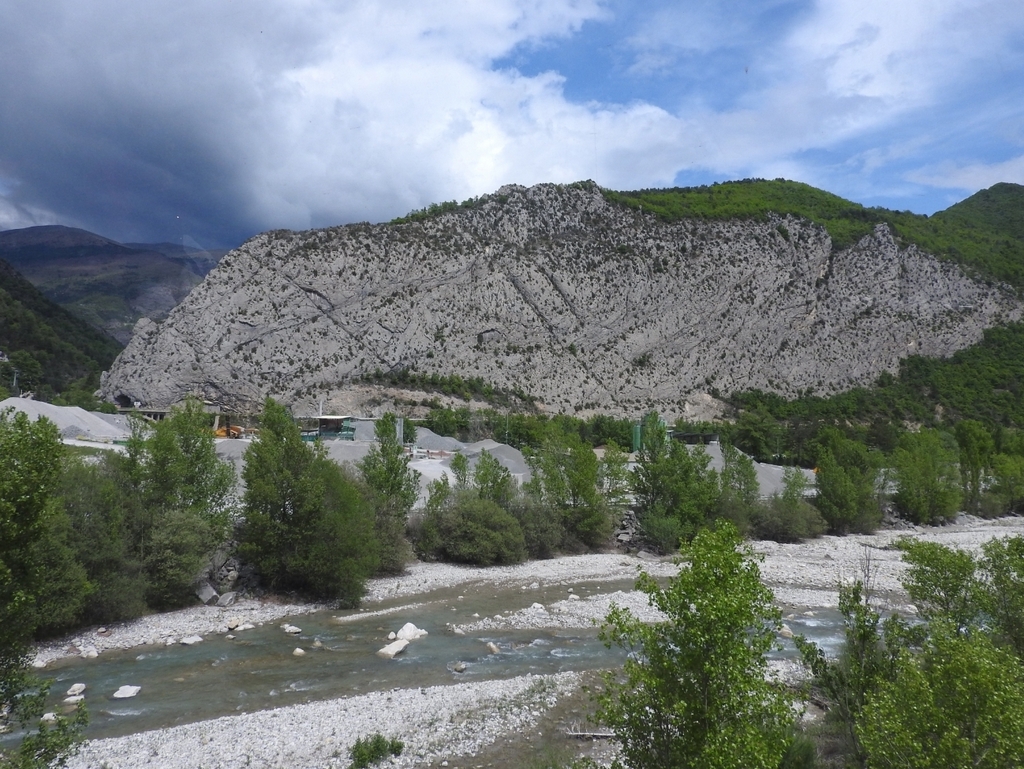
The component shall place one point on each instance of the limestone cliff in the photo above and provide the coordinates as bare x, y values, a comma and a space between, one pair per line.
561, 294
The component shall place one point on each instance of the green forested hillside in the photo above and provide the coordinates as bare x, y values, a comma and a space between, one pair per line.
984, 233
50, 347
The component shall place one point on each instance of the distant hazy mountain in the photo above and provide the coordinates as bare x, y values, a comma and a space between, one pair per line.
585, 299
50, 347
108, 284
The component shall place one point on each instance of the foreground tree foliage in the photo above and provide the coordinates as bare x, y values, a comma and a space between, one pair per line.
695, 690
949, 693
30, 455
307, 526
957, 703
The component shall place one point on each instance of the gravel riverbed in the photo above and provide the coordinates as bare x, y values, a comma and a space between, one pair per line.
442, 721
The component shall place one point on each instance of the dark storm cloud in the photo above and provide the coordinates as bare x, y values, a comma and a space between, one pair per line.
216, 119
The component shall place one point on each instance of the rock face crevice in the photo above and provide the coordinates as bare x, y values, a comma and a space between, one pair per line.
557, 292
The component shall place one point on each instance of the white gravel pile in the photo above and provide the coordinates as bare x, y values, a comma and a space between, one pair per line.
71, 421
435, 723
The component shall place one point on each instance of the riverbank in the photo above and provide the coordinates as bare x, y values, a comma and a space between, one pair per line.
451, 723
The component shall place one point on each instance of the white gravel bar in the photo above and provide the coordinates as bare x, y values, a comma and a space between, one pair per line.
435, 723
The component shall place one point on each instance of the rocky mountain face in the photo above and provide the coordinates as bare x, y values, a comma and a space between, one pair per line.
558, 293
110, 285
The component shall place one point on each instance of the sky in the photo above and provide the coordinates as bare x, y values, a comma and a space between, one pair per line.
205, 122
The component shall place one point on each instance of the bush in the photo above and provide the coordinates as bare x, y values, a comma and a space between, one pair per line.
788, 517
542, 531
473, 530
373, 750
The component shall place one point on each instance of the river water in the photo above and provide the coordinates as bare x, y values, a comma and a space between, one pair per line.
258, 670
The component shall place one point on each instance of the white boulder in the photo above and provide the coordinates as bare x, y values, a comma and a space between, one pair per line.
76, 689
192, 640
126, 691
291, 629
410, 632
392, 649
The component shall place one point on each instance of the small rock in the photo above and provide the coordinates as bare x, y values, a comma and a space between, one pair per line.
38, 664
297, 652
171, 641
786, 631
458, 631
228, 599
392, 636
89, 653
76, 689
393, 648
493, 648
291, 629
538, 607
233, 622
192, 640
573, 597
48, 718
230, 637
318, 644
244, 626
459, 667
73, 700
126, 691
102, 631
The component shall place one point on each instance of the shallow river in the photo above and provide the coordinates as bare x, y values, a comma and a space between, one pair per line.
257, 670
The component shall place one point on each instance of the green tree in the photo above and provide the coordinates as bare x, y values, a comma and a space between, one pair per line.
740, 493
676, 491
866, 659
959, 703
695, 690
846, 480
566, 475
927, 480
613, 480
1007, 492
30, 457
98, 513
396, 487
976, 450
943, 582
177, 494
1002, 567
307, 527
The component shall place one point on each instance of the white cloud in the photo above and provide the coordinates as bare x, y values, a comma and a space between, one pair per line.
270, 113
972, 177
